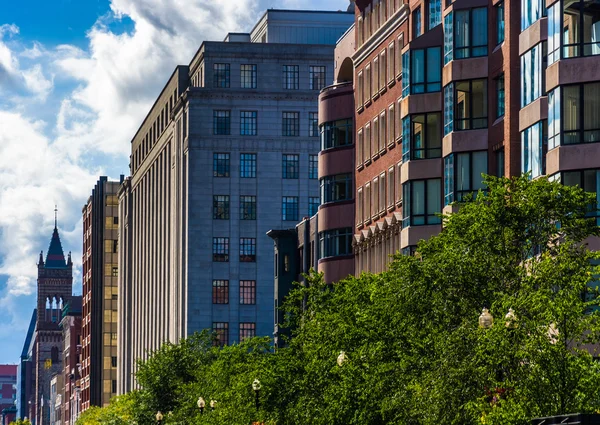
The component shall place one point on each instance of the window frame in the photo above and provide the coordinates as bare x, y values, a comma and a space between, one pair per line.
248, 165
291, 77
222, 77
248, 123
220, 291
247, 250
220, 249
290, 163
252, 77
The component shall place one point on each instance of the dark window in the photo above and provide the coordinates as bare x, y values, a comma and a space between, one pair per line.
336, 188
221, 249
422, 71
313, 124
54, 355
291, 77
221, 122
588, 180
500, 163
336, 133
470, 105
113, 361
470, 33
434, 12
114, 386
316, 77
247, 250
416, 22
248, 165
247, 330
221, 165
533, 149
291, 166
500, 96
247, 207
463, 175
220, 292
247, 292
313, 205
291, 124
422, 138
500, 22
248, 123
580, 113
422, 202
313, 166
289, 207
221, 207
115, 272
221, 72
248, 76
334, 243
221, 331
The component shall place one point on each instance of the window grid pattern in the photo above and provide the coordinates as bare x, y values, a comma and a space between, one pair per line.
220, 292
247, 207
313, 124
289, 208
248, 76
221, 122
247, 250
313, 166
221, 250
291, 77
247, 292
221, 207
248, 123
291, 124
316, 77
221, 75
247, 330
221, 165
248, 165
291, 167
313, 205
221, 331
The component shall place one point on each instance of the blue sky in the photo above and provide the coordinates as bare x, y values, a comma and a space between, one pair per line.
76, 79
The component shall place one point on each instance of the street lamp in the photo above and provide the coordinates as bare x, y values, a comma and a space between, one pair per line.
213, 404
256, 388
201, 405
486, 320
341, 359
159, 417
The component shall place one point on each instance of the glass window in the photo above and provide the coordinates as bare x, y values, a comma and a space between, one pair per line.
247, 207
336, 188
221, 207
248, 123
470, 104
247, 292
291, 168
316, 77
422, 138
500, 96
221, 250
291, 123
500, 22
248, 76
422, 202
406, 74
289, 208
533, 152
336, 133
248, 165
435, 13
313, 205
448, 37
313, 166
531, 11
221, 332
416, 21
220, 292
470, 33
500, 163
291, 77
247, 330
335, 243
581, 28
463, 175
426, 70
247, 250
313, 124
448, 108
588, 180
555, 30
221, 122
533, 65
221, 73
554, 118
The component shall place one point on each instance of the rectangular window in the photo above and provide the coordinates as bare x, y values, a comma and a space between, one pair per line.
221, 332
375, 80
422, 202
580, 113
221, 73
423, 136
435, 13
335, 243
289, 208
220, 292
470, 104
221, 122
368, 86
368, 142
247, 250
500, 23
248, 165
220, 165
359, 207
248, 123
470, 33
391, 125
531, 11
313, 166
313, 205
533, 149
554, 118
589, 181
247, 292
221, 207
448, 108
290, 166
500, 163
426, 70
336, 188
391, 193
533, 66
382, 71
463, 175
367, 208
360, 142
500, 96
291, 124
391, 62
247, 330
416, 22
360, 90
221, 250
382, 132
291, 77
336, 133
313, 124
248, 76
316, 77
448, 37
247, 207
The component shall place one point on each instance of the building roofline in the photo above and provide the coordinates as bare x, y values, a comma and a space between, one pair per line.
297, 11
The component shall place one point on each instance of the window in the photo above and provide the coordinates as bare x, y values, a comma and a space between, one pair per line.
375, 80
500, 163
382, 71
463, 175
533, 65
448, 37
391, 194
221, 250
581, 113
247, 292
221, 74
392, 62
422, 70
247, 207
247, 330
422, 202
290, 166
248, 165
313, 205
291, 77
500, 23
416, 21
435, 13
247, 250
335, 243
470, 104
313, 166
221, 331
531, 11
291, 123
336, 188
588, 180
391, 133
221, 207
422, 138
289, 208
248, 123
448, 108
220, 292
115, 272
113, 361
313, 124
220, 165
336, 133
359, 207
221, 122
533, 149
555, 32
316, 77
368, 88
368, 143
248, 76
114, 386
360, 146
554, 118
470, 33
360, 90
500, 96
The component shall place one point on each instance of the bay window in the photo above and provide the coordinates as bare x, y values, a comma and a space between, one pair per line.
465, 105
336, 133
533, 67
422, 202
575, 25
335, 243
336, 188
531, 11
463, 175
533, 149
574, 114
466, 34
589, 181
421, 138
422, 71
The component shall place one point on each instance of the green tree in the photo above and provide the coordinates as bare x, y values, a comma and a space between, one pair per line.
21, 422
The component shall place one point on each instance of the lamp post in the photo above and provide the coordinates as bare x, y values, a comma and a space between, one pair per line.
256, 388
201, 405
159, 417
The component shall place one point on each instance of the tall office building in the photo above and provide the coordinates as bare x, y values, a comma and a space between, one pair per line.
100, 291
228, 152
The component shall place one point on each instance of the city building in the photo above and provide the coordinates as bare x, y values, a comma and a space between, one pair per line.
100, 294
71, 376
8, 392
25, 376
56, 407
227, 152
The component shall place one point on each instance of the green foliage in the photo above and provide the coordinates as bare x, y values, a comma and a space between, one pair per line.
415, 353
21, 422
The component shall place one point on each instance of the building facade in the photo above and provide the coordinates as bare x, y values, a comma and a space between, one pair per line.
25, 381
100, 295
228, 152
71, 376
8, 392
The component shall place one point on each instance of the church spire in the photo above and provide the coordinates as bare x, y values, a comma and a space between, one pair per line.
55, 259
55, 216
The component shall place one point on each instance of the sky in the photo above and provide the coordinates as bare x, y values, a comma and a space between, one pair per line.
77, 77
